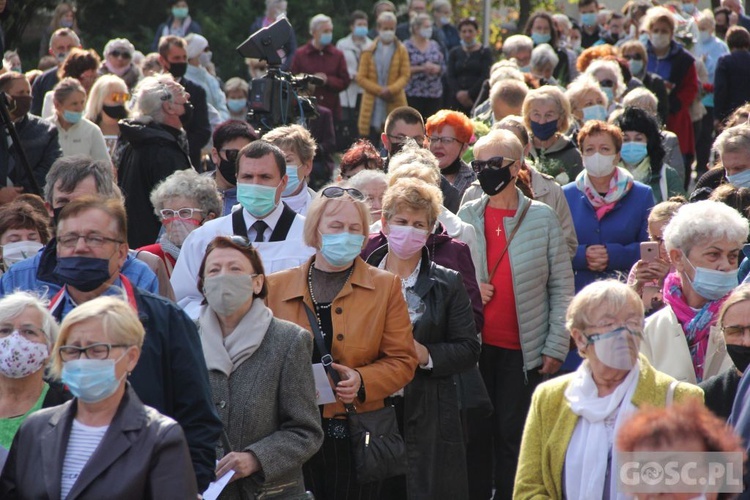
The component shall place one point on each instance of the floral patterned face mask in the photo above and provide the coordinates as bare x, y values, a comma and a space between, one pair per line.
20, 357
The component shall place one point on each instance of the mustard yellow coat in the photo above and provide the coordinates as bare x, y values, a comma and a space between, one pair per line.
551, 422
367, 78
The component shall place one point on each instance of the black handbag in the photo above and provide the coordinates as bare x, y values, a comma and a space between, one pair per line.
378, 449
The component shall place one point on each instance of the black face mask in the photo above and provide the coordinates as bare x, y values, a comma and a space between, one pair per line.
178, 70
228, 171
740, 355
115, 112
186, 118
453, 168
20, 106
494, 180
56, 215
396, 148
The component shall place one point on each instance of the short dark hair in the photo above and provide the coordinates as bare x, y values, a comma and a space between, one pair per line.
78, 62
259, 149
615, 16
467, 20
8, 78
406, 114
637, 120
111, 206
361, 152
584, 3
245, 249
233, 129
166, 42
738, 38
22, 215
356, 16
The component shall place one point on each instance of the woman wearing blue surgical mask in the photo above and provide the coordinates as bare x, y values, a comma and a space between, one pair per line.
110, 445
587, 101
362, 315
541, 29
298, 147
704, 241
634, 52
643, 154
608, 75
77, 135
424, 92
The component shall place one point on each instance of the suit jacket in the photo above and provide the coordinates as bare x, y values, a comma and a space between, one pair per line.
730, 90
142, 455
199, 128
371, 326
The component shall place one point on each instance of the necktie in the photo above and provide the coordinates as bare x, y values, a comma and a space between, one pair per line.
260, 228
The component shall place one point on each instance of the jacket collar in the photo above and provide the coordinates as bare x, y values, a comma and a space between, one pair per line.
297, 283
479, 206
425, 279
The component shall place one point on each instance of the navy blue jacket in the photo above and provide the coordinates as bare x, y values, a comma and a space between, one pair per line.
730, 83
621, 231
194, 27
43, 84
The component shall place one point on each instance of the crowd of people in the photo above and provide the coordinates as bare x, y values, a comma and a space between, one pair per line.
529, 260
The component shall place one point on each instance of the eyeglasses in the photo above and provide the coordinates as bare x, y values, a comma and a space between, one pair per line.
94, 351
634, 57
495, 163
402, 138
119, 97
121, 53
182, 213
338, 192
735, 330
447, 141
26, 331
606, 83
91, 240
590, 339
231, 154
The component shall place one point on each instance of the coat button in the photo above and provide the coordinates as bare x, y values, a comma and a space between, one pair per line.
339, 310
222, 404
340, 336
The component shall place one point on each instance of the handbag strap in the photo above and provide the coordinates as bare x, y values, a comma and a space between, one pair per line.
325, 357
507, 243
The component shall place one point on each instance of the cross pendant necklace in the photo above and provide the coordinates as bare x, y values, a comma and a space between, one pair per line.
498, 230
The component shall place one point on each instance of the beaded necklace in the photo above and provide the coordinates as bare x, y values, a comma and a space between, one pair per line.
318, 307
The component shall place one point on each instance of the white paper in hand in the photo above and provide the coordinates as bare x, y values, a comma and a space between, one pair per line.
323, 391
214, 489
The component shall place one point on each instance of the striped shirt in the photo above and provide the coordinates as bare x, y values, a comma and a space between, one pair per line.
83, 442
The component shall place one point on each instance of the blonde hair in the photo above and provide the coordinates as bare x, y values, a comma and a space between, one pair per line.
608, 295
119, 322
664, 211
410, 193
503, 138
422, 172
318, 209
99, 92
294, 138
548, 93
581, 86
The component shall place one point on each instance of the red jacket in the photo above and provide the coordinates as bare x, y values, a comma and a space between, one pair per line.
330, 61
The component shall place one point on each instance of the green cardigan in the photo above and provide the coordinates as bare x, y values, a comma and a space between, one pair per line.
550, 425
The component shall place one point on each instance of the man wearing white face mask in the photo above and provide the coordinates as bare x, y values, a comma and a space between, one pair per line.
704, 241
298, 147
273, 227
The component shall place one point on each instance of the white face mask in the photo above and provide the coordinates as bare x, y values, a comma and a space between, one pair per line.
387, 36
659, 40
18, 251
599, 165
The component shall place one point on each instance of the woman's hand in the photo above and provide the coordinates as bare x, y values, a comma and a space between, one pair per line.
243, 463
597, 258
347, 389
487, 291
422, 353
648, 272
550, 366
462, 96
385, 94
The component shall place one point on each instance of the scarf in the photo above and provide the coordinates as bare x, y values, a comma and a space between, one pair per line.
619, 186
169, 247
590, 447
696, 324
226, 354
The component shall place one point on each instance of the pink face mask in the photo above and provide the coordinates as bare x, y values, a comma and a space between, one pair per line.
405, 241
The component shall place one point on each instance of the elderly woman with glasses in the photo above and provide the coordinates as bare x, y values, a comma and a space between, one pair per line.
182, 202
260, 374
567, 449
27, 332
105, 443
526, 282
118, 60
704, 241
362, 315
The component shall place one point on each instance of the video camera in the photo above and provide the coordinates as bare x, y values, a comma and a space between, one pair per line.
275, 98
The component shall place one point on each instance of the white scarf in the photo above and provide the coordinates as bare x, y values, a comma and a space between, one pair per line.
226, 354
591, 442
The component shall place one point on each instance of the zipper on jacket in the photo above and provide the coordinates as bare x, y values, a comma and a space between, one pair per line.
520, 341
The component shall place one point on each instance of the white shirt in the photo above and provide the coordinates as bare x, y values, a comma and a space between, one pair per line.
83, 138
82, 444
276, 255
300, 202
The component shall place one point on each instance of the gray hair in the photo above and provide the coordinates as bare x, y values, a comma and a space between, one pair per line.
362, 179
562, 19
543, 56
14, 304
643, 98
71, 170
191, 185
236, 83
317, 21
418, 20
412, 154
119, 43
611, 66
386, 16
514, 43
511, 92
733, 140
505, 70
704, 221
582, 85
440, 4
150, 95
65, 88
64, 32
608, 295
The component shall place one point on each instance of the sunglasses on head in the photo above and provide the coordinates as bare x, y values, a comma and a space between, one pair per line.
121, 53
240, 241
338, 192
495, 163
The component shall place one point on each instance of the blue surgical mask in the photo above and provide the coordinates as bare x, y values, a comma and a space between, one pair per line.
91, 380
470, 43
688, 8
180, 12
633, 153
292, 172
609, 92
711, 284
236, 105
595, 112
326, 38
340, 249
643, 38
72, 116
82, 273
257, 199
525, 69
704, 36
360, 31
636, 66
543, 131
740, 179
540, 38
588, 19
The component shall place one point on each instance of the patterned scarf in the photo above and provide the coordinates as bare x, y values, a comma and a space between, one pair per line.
619, 186
696, 324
